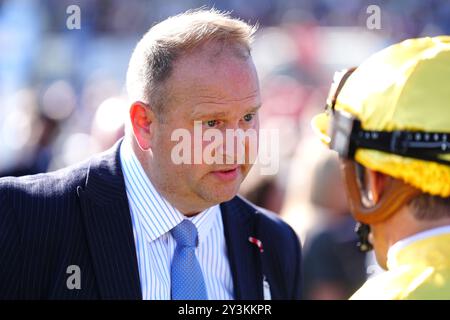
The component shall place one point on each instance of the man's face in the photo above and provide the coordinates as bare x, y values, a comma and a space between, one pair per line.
222, 91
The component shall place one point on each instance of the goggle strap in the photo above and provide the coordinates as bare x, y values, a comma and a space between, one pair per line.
413, 144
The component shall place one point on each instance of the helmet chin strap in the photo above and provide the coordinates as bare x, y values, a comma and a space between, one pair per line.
395, 195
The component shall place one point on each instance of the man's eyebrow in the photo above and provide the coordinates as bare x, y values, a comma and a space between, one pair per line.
255, 108
208, 114
219, 114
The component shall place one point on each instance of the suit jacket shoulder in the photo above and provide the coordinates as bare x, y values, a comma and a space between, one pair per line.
42, 231
37, 224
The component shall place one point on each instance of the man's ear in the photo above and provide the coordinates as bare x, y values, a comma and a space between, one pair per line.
377, 183
142, 120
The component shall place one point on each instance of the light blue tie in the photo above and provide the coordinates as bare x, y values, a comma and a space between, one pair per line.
186, 274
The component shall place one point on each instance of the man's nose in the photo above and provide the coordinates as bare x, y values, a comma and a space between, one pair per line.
234, 145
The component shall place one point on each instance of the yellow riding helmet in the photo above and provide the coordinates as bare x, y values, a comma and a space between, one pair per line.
403, 87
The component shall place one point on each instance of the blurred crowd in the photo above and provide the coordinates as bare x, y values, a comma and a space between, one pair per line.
62, 98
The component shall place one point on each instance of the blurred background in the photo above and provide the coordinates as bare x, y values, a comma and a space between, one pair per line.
62, 98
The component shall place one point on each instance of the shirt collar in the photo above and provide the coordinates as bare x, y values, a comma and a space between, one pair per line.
156, 215
394, 250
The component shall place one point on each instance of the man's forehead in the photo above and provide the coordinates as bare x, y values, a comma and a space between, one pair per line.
227, 78
213, 58
217, 93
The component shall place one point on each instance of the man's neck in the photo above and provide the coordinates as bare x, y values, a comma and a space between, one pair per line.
404, 225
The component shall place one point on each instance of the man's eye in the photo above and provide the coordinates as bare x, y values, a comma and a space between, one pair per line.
211, 123
249, 117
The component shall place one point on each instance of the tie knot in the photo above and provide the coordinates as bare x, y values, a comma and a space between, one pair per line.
185, 234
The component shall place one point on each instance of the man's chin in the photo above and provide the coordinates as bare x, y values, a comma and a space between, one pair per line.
216, 191
228, 197
220, 195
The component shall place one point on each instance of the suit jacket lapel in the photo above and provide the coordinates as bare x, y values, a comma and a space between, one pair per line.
245, 261
108, 228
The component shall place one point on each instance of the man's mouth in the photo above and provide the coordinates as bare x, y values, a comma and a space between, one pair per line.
228, 174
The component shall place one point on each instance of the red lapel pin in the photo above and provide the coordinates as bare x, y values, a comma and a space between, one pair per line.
257, 243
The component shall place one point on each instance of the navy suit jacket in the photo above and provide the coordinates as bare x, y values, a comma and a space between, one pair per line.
80, 216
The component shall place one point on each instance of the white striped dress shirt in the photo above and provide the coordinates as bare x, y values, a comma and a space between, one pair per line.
153, 217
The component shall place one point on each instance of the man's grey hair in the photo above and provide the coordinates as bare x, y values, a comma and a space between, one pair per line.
152, 60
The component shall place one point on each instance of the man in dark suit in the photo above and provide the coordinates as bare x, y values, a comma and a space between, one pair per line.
141, 221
